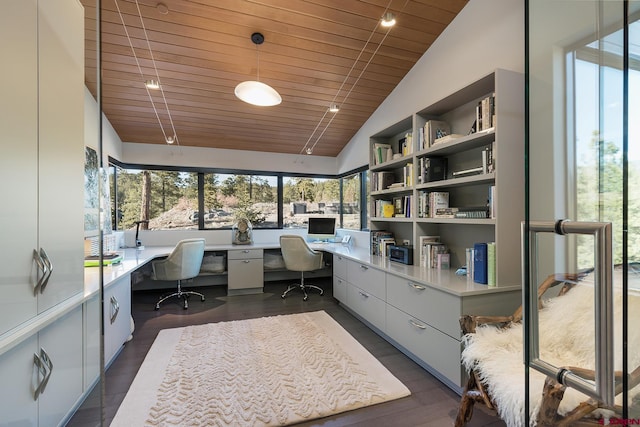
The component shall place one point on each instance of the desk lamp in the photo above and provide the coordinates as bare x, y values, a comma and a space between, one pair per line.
138, 242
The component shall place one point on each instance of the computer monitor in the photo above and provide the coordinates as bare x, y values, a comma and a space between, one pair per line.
321, 228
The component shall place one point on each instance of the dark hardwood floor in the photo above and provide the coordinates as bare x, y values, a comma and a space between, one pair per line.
431, 403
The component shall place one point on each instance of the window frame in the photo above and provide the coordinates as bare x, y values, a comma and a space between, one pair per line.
280, 176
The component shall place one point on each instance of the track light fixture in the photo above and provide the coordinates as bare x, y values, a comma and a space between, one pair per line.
334, 108
152, 84
388, 20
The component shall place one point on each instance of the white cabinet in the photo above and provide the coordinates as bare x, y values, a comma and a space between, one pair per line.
58, 348
117, 317
246, 271
41, 114
340, 278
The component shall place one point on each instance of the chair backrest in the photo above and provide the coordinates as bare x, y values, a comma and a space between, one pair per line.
297, 255
184, 261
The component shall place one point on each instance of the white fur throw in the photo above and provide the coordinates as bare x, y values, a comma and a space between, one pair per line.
566, 339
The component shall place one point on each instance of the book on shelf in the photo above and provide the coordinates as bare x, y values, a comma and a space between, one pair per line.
381, 208
491, 264
424, 242
469, 258
480, 263
434, 129
398, 204
492, 201
443, 261
382, 153
446, 212
485, 113
432, 169
375, 237
405, 144
384, 243
472, 212
388, 210
407, 171
429, 253
437, 200
382, 180
447, 138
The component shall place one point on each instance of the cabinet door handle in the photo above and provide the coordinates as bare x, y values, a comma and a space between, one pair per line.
115, 309
246, 261
42, 271
42, 371
416, 286
416, 324
363, 294
246, 251
364, 267
45, 366
46, 360
49, 265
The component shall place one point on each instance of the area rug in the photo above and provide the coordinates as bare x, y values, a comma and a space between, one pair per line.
271, 371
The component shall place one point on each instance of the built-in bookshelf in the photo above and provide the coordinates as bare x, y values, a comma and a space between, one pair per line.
461, 177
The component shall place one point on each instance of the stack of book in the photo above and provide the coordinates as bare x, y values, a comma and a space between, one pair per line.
432, 130
472, 212
382, 180
380, 239
382, 153
484, 263
433, 254
486, 113
381, 208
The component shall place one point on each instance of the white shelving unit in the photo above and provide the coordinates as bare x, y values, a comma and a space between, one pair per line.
505, 137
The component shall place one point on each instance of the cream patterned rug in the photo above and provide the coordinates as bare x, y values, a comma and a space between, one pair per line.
269, 371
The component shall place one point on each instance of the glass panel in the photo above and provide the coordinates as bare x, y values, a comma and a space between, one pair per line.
577, 161
351, 202
168, 199
227, 197
304, 197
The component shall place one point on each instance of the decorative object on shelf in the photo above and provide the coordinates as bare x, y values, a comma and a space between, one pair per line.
242, 232
253, 91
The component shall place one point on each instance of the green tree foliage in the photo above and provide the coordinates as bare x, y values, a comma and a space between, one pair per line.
599, 198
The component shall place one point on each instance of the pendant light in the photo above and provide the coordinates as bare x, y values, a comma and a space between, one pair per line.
255, 92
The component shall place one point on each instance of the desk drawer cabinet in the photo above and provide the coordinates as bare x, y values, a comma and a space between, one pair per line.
439, 309
339, 289
368, 279
246, 271
436, 349
366, 305
340, 266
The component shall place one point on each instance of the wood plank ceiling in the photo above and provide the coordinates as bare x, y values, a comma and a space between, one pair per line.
316, 52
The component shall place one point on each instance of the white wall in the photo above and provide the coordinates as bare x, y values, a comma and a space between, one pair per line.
162, 154
111, 144
487, 34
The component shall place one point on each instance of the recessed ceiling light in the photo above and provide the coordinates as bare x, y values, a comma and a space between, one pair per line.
334, 108
162, 8
152, 84
388, 20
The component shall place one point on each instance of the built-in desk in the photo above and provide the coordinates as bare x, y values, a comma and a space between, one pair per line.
414, 308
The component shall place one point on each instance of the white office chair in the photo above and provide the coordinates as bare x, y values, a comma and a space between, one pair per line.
298, 256
183, 263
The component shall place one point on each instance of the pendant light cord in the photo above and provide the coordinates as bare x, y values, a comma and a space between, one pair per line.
153, 61
308, 146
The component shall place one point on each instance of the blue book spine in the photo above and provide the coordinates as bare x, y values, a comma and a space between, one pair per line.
480, 263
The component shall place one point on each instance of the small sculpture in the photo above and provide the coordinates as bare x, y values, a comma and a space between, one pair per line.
242, 232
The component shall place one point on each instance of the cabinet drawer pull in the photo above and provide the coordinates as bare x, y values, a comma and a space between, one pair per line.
42, 271
363, 294
246, 261
416, 324
364, 267
115, 309
246, 251
416, 286
49, 270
